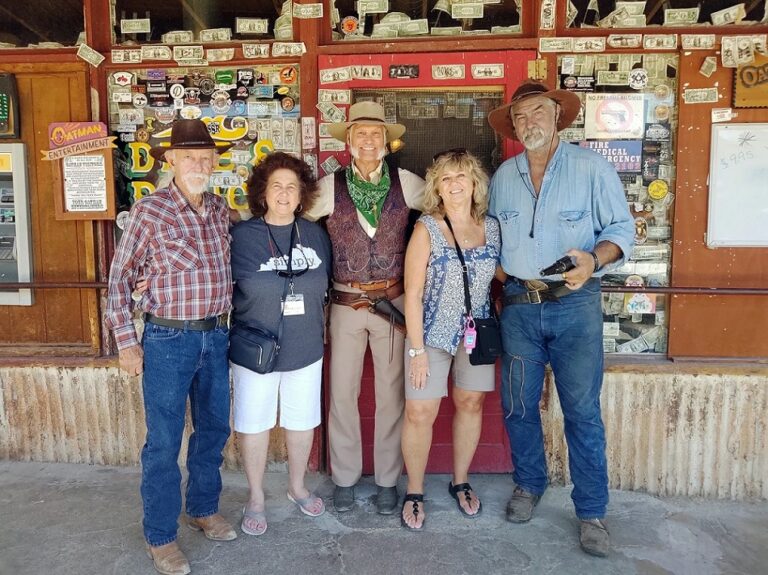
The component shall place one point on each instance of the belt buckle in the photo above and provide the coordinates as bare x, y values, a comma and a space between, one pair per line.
537, 293
535, 287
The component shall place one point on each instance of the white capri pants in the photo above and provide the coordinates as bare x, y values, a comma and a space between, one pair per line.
256, 398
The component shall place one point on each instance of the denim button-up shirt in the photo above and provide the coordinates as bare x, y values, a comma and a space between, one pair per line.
581, 203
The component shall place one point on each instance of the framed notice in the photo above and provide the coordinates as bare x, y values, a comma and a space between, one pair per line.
87, 187
83, 150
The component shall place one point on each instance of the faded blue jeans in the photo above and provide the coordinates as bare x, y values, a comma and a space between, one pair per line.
567, 334
179, 364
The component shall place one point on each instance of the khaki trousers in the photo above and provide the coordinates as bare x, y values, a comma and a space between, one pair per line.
351, 332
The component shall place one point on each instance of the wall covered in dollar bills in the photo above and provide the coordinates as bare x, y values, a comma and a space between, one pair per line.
629, 116
255, 107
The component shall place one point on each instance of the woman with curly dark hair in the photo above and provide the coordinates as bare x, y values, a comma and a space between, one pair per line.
281, 266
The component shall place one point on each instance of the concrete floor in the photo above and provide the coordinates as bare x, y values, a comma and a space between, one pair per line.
67, 519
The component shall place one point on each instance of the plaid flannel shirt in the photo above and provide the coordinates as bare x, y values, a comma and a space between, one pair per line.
183, 255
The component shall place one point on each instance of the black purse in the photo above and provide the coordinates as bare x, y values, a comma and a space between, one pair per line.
255, 348
488, 339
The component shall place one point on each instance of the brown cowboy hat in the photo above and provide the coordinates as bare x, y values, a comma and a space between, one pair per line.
189, 135
570, 105
366, 113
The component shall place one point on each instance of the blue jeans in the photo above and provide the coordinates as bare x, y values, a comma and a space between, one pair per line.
567, 334
180, 363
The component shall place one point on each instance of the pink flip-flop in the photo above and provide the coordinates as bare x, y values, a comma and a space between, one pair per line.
253, 516
304, 504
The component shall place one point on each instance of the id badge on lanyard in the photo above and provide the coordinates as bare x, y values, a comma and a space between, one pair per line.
294, 303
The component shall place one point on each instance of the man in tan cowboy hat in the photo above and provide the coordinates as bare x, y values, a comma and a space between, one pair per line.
367, 205
555, 200
177, 242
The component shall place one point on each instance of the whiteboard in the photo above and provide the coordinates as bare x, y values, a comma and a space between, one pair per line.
738, 186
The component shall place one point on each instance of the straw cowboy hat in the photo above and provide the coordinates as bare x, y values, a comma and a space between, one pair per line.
189, 135
369, 113
570, 105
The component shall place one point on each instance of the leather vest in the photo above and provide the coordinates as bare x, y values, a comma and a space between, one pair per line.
356, 257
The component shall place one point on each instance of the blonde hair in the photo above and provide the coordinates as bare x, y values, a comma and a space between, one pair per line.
457, 161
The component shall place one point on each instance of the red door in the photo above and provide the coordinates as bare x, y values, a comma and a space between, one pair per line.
493, 454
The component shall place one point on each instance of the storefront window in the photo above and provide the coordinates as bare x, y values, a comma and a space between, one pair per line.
40, 24
637, 14
629, 116
256, 108
437, 120
200, 21
365, 19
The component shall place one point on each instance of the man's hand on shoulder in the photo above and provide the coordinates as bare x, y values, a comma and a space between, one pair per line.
585, 267
132, 359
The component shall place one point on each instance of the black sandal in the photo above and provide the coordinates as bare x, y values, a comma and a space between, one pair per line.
466, 488
414, 498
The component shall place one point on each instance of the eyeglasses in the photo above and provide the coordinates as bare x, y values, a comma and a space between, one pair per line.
454, 153
293, 274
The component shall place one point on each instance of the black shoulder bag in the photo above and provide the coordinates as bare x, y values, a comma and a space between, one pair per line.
255, 348
488, 339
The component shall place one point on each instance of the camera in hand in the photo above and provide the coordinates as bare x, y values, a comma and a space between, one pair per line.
561, 266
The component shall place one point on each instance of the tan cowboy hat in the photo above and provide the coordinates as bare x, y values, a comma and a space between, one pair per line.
189, 135
366, 113
570, 105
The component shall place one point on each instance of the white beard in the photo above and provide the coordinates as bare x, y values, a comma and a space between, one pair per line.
535, 139
196, 182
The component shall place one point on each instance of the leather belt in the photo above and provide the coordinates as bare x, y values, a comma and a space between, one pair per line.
391, 292
375, 286
537, 292
190, 324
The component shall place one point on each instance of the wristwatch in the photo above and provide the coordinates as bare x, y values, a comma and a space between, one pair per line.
414, 352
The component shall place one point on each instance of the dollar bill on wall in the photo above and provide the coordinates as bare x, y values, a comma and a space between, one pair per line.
480, 71
625, 40
135, 26
308, 11
708, 66
736, 50
700, 95
334, 75
251, 25
448, 71
589, 44
733, 15
255, 50
698, 41
293, 49
660, 41
369, 72
215, 35
555, 45
472, 10
681, 16
547, 19
335, 96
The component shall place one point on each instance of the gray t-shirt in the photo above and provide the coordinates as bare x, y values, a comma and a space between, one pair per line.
256, 259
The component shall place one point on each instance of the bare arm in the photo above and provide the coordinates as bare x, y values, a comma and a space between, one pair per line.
416, 260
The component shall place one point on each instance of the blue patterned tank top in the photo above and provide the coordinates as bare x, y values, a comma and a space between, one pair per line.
444, 288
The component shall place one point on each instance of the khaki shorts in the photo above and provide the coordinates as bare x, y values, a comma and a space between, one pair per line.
465, 375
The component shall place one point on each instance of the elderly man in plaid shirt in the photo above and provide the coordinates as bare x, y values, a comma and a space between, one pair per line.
177, 243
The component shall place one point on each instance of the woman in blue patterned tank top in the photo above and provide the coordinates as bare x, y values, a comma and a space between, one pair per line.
435, 312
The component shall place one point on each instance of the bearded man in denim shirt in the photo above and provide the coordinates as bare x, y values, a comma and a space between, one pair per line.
555, 200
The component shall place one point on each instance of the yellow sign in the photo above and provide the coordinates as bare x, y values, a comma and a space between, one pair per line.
751, 84
5, 163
